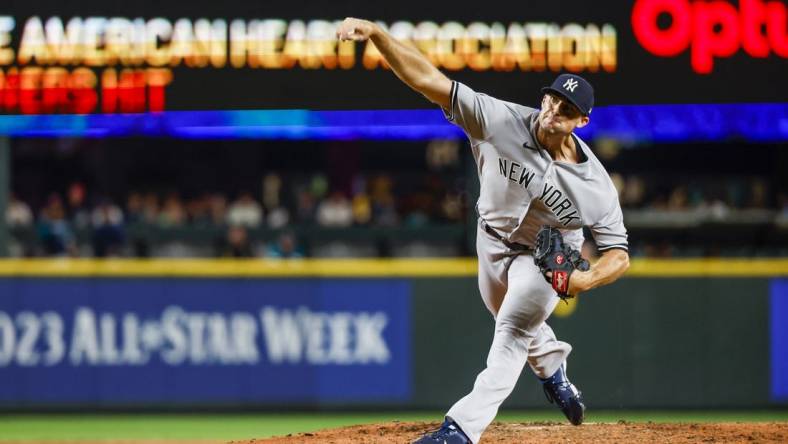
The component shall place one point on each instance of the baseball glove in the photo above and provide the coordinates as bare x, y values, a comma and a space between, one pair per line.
552, 255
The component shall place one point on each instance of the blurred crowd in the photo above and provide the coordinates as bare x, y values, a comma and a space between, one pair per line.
381, 200
281, 203
715, 195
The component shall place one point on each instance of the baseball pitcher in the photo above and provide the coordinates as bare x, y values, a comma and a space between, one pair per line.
540, 185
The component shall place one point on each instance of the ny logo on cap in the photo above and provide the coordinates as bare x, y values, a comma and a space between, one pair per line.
570, 84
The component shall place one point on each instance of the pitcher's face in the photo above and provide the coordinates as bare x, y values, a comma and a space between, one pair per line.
558, 116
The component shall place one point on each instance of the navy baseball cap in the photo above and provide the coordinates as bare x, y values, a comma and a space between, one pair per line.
575, 89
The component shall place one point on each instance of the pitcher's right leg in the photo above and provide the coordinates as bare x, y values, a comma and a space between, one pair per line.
547, 353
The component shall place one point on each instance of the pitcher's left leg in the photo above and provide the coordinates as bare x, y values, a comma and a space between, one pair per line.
525, 307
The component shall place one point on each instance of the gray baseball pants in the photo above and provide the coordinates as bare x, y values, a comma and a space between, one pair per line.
520, 300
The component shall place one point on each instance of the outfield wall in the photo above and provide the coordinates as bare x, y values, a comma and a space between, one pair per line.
399, 333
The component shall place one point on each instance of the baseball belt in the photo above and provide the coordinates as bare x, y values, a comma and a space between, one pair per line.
511, 245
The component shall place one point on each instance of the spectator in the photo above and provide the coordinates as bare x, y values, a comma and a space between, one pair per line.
78, 211
108, 232
305, 206
54, 230
217, 208
136, 213
758, 194
236, 243
245, 211
381, 187
335, 211
135, 208
452, 207
385, 212
272, 187
318, 186
198, 211
361, 202
278, 218
18, 213
417, 207
436, 191
173, 214
284, 247
695, 196
634, 192
737, 191
678, 200
718, 210
151, 208
362, 209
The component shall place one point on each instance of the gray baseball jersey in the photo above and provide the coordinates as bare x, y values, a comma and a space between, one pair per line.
522, 188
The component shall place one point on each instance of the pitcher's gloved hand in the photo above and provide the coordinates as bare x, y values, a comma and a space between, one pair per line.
556, 260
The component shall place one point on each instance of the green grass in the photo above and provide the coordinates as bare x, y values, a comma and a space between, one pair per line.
225, 427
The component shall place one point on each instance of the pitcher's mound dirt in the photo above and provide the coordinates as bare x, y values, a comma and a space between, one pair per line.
551, 432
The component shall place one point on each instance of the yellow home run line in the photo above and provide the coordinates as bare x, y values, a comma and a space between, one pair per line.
197, 268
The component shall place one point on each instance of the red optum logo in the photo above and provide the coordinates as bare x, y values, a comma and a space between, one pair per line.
711, 29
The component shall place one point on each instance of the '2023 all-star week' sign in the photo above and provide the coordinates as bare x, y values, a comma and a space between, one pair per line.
112, 56
254, 341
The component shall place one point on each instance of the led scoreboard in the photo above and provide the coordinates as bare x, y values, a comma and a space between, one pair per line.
116, 57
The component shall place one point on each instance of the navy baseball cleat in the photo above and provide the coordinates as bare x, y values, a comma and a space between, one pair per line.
449, 433
565, 395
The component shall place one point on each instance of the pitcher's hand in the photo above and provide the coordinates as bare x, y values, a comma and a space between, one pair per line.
355, 29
